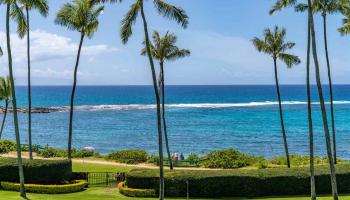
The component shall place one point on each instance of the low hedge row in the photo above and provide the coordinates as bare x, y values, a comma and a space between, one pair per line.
131, 192
240, 182
74, 186
36, 171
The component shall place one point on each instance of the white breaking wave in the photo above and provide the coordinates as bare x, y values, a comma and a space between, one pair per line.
182, 105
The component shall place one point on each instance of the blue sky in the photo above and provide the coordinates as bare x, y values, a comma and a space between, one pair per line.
219, 36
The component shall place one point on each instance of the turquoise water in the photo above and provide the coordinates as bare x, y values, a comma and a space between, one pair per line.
200, 118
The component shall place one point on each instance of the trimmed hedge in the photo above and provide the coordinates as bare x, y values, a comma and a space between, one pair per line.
240, 182
131, 192
129, 156
36, 171
74, 186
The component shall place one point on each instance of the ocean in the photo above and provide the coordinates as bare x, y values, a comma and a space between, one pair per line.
200, 118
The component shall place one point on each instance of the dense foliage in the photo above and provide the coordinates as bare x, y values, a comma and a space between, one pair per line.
36, 171
74, 186
54, 152
129, 156
7, 146
228, 159
241, 182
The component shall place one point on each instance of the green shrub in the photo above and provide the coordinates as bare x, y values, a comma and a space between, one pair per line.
128, 156
297, 160
74, 186
131, 192
51, 152
7, 146
193, 158
153, 159
241, 182
36, 171
228, 159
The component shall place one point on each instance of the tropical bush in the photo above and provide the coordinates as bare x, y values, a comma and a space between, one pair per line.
193, 158
131, 192
7, 146
128, 156
51, 152
228, 159
240, 182
74, 186
297, 160
36, 171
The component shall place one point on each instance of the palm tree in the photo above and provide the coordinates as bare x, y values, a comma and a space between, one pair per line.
171, 12
323, 107
13, 10
274, 44
278, 6
81, 16
165, 49
345, 29
326, 7
43, 8
5, 89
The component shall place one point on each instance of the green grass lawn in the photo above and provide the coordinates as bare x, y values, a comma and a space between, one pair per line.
99, 193
89, 167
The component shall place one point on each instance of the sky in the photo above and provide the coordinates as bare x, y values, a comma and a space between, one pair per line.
219, 36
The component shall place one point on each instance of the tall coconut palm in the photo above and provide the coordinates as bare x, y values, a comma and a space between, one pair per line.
43, 8
14, 11
326, 7
322, 104
5, 88
171, 12
279, 6
81, 16
164, 49
274, 44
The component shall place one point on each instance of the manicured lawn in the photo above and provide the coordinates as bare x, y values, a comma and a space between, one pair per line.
99, 193
89, 167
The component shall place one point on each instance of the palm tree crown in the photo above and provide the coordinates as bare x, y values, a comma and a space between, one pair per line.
345, 29
165, 48
81, 15
169, 11
5, 89
274, 44
17, 14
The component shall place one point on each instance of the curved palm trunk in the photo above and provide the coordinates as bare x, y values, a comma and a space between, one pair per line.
159, 124
29, 91
281, 114
70, 133
4, 118
330, 88
163, 115
15, 117
309, 115
323, 107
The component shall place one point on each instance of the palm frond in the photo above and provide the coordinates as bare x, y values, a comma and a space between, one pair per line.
179, 53
281, 4
289, 59
172, 12
301, 7
128, 21
20, 19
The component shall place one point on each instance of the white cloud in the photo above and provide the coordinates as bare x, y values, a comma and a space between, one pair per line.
48, 46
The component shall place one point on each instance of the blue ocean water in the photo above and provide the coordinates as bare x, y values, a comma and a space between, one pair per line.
200, 118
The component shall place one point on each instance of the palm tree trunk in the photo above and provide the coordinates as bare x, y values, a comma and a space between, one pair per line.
159, 124
14, 103
70, 134
309, 114
163, 115
4, 118
281, 114
323, 107
29, 91
330, 88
